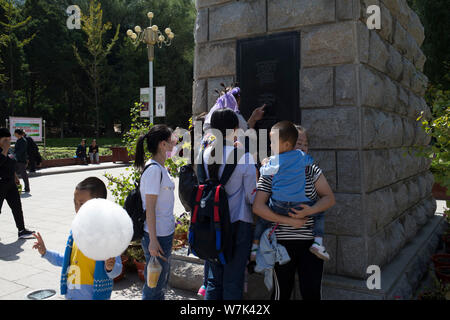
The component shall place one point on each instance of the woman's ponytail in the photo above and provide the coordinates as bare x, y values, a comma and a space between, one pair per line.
139, 161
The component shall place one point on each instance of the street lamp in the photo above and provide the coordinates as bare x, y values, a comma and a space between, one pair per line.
151, 36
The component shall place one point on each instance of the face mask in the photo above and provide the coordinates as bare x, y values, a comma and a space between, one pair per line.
171, 154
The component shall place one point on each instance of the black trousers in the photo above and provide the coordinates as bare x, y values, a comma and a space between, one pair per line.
21, 169
308, 267
8, 191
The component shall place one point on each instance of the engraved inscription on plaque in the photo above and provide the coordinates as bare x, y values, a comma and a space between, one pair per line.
268, 71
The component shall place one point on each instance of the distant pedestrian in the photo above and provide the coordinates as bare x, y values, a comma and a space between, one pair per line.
8, 184
34, 158
21, 155
81, 151
94, 155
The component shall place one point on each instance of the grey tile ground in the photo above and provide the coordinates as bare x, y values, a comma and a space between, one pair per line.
49, 210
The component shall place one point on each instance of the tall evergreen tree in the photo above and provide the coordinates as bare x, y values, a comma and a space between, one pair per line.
93, 27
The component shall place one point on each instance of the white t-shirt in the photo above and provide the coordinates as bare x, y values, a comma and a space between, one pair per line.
151, 184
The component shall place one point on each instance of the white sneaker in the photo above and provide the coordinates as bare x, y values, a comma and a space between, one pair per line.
319, 251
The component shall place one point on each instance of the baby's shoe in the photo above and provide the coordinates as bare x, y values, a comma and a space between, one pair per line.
319, 251
202, 291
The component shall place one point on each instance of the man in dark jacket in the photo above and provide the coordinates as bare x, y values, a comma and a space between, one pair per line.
8, 184
34, 158
21, 154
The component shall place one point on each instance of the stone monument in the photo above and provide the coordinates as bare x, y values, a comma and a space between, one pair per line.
359, 94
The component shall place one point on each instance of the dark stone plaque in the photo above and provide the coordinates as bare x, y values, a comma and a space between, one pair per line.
268, 71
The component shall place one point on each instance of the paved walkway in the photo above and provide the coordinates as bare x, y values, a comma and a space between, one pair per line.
49, 209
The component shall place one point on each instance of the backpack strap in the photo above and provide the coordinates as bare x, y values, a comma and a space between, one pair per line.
146, 167
201, 172
217, 225
198, 197
229, 168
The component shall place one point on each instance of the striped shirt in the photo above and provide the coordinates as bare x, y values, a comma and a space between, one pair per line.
286, 232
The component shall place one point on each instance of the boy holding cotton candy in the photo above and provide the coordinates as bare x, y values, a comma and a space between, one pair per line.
83, 278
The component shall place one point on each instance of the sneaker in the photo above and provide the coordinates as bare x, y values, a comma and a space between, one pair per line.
319, 251
202, 291
26, 234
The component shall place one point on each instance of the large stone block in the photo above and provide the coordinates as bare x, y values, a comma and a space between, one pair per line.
215, 60
237, 19
386, 166
409, 128
335, 128
403, 101
381, 130
326, 160
399, 9
400, 39
415, 28
215, 84
408, 73
316, 87
199, 103
394, 66
345, 85
352, 257
372, 88
348, 171
390, 95
363, 36
209, 3
329, 44
419, 60
377, 252
349, 218
395, 239
419, 84
379, 53
380, 209
409, 225
386, 30
284, 14
201, 26
419, 213
330, 242
347, 9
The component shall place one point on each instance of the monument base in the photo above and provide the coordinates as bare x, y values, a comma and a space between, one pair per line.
399, 279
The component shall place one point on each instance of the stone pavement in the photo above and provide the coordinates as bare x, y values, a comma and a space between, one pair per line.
49, 210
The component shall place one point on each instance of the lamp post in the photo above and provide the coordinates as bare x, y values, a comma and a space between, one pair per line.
151, 36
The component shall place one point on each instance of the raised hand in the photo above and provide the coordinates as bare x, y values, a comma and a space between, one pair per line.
39, 245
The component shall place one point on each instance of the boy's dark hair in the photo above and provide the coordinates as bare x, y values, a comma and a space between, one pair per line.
19, 132
287, 131
94, 186
5, 133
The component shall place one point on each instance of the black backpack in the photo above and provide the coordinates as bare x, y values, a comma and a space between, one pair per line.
210, 235
133, 206
186, 182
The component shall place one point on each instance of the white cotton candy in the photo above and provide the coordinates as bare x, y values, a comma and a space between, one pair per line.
102, 229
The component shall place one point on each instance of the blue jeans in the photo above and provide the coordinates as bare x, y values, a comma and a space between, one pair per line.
226, 282
283, 208
166, 245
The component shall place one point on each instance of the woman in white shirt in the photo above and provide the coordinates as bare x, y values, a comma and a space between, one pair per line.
157, 192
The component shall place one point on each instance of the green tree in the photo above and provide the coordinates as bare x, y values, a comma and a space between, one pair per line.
93, 27
435, 17
10, 28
